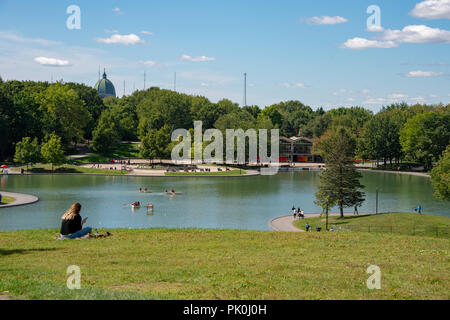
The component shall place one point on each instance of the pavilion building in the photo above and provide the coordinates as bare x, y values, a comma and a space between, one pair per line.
297, 149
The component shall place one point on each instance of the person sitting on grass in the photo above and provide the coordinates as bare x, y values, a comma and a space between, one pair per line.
72, 224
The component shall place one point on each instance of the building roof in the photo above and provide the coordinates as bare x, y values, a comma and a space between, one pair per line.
105, 87
295, 139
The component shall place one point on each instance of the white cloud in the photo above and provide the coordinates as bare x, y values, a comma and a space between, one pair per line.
52, 62
148, 63
121, 39
375, 28
197, 59
293, 85
365, 91
397, 96
361, 44
423, 74
10, 36
118, 11
203, 84
146, 32
417, 34
326, 20
432, 9
375, 101
417, 99
111, 31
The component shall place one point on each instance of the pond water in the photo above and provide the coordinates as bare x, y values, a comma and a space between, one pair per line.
224, 203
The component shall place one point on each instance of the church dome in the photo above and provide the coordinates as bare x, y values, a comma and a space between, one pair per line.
104, 87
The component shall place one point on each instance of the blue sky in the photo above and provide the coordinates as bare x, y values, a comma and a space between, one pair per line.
319, 52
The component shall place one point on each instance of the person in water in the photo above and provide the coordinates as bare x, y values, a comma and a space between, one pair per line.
72, 224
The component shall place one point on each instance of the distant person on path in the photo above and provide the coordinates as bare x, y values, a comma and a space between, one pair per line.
294, 212
419, 209
356, 211
72, 224
301, 213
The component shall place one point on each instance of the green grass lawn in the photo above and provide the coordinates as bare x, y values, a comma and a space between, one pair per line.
67, 168
398, 223
6, 200
222, 264
121, 151
215, 173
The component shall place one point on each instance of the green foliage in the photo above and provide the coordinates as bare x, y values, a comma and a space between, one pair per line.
381, 137
156, 144
339, 182
163, 107
425, 136
27, 151
52, 151
64, 113
440, 176
107, 134
93, 103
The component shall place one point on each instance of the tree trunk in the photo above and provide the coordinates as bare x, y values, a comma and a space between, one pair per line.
341, 207
327, 218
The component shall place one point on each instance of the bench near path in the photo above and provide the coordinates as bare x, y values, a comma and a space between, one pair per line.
21, 199
286, 223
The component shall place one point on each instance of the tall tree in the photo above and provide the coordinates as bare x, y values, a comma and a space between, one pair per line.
52, 151
381, 137
64, 113
156, 144
440, 176
27, 151
339, 182
425, 136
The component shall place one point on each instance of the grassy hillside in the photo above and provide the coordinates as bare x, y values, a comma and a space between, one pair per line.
221, 264
397, 223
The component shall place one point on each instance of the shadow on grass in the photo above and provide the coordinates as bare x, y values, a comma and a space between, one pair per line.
7, 252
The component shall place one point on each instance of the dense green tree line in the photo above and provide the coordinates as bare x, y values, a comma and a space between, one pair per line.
75, 112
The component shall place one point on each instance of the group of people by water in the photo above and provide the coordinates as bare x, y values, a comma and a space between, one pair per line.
297, 212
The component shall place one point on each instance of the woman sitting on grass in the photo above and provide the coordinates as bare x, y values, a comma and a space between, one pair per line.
72, 225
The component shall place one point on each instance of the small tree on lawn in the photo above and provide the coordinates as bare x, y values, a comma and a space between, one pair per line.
339, 182
27, 151
52, 151
324, 200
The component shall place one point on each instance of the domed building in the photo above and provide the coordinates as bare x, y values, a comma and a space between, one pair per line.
104, 87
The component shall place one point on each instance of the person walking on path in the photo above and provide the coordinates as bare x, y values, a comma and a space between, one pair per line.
356, 211
294, 212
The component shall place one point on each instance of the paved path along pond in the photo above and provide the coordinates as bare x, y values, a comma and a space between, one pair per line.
20, 199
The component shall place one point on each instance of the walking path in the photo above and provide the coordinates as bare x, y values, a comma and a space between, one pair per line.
21, 199
286, 223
